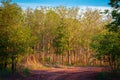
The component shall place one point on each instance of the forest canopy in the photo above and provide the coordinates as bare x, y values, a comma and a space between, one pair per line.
58, 35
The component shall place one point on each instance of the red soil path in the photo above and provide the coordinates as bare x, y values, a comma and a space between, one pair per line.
73, 73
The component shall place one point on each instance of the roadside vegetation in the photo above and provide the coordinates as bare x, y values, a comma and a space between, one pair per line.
107, 44
58, 37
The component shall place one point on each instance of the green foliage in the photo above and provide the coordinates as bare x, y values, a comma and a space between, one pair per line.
108, 76
60, 41
115, 24
15, 39
103, 76
47, 59
114, 3
47, 31
26, 71
4, 73
107, 44
107, 47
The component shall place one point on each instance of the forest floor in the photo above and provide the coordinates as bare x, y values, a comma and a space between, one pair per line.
71, 73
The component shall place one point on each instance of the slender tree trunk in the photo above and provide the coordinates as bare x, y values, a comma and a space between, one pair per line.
74, 57
111, 63
62, 58
53, 58
5, 65
13, 64
57, 58
69, 62
43, 49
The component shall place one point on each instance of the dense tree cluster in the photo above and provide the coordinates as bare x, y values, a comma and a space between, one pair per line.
107, 43
15, 39
56, 35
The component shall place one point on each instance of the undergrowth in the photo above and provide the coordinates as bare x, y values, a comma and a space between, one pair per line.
108, 76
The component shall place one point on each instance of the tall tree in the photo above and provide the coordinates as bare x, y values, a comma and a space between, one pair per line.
60, 41
15, 39
107, 44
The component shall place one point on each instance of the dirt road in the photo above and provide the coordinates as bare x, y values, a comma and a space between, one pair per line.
73, 73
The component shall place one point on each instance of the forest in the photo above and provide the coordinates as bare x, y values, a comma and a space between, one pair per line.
59, 36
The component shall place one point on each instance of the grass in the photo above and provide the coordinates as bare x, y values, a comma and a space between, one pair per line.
108, 76
6, 74
103, 76
26, 71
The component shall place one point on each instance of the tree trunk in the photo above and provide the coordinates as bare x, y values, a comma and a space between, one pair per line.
69, 62
53, 59
5, 65
74, 57
62, 59
43, 49
13, 64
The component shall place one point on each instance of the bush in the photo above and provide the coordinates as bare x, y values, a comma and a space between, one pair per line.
108, 76
26, 71
5, 73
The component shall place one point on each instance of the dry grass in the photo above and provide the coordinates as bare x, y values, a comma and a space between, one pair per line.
32, 62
